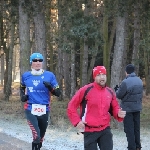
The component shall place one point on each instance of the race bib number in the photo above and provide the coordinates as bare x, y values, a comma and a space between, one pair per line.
38, 109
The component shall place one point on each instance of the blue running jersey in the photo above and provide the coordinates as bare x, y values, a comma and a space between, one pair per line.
36, 90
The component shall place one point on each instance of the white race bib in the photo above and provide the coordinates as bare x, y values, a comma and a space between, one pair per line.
38, 109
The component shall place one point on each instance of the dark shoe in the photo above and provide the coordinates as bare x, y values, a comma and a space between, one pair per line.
35, 146
40, 145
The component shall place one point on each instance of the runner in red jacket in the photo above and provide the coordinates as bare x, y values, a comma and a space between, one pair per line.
94, 117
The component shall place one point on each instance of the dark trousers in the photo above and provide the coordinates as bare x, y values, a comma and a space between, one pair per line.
132, 129
103, 139
38, 125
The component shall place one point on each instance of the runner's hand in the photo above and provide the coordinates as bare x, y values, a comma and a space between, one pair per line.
121, 113
81, 125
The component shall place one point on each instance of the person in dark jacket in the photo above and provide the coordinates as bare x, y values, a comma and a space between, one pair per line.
94, 118
36, 87
130, 92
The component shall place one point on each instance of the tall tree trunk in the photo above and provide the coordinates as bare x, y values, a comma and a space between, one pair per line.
24, 38
92, 62
40, 29
111, 41
1, 47
106, 52
14, 65
135, 55
112, 35
2, 66
73, 82
59, 71
66, 74
84, 63
85, 53
1, 43
81, 60
49, 35
126, 47
6, 69
118, 52
10, 61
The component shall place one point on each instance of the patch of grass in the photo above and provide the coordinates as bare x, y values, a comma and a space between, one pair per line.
145, 113
58, 113
12, 109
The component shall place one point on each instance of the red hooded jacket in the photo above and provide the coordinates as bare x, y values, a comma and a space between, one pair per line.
96, 109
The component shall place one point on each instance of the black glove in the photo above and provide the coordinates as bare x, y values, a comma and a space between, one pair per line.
24, 98
116, 88
48, 85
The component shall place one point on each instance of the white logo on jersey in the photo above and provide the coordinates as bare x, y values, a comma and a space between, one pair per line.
42, 77
36, 82
30, 89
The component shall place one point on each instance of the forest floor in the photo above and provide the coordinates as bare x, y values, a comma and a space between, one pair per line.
60, 134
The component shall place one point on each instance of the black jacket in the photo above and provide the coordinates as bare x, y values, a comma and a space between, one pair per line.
131, 92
